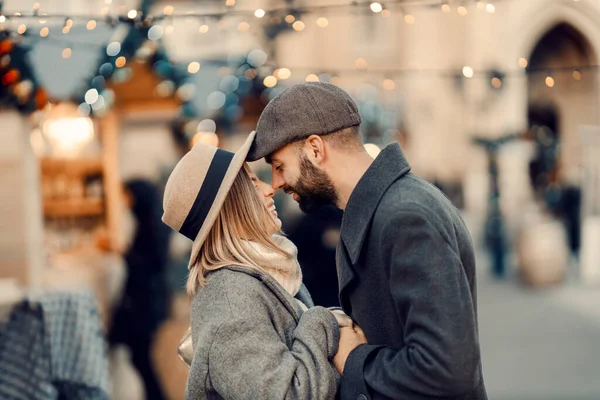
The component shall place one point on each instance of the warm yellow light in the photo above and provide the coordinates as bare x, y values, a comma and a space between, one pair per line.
2, 19
66, 30
194, 67
577, 75
523, 62
376, 7
549, 81
36, 6
284, 73
91, 25
230, 3
203, 29
386, 13
361, 63
409, 19
446, 8
312, 78
490, 8
270, 81
259, 13
243, 26
69, 23
168, 10
481, 5
496, 83
298, 26
209, 138
468, 72
372, 149
66, 53
322, 22
389, 84
22, 29
462, 10
68, 135
132, 14
120, 62
289, 18
44, 32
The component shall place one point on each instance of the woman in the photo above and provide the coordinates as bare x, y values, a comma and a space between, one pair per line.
251, 337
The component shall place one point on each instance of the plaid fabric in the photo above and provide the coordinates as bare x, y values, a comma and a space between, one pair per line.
52, 346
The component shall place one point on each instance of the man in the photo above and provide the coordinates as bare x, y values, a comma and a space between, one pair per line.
405, 260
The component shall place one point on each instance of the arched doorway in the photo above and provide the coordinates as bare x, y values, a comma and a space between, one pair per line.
562, 96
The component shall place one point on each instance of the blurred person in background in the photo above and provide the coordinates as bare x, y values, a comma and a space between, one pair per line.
255, 334
146, 298
406, 263
316, 235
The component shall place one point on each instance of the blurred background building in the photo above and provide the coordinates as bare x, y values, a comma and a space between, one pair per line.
495, 102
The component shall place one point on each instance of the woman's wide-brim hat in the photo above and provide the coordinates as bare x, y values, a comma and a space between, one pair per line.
197, 188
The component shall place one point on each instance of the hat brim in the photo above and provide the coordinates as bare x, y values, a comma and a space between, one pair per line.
237, 163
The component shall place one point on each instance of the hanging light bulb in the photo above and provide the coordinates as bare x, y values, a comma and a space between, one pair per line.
322, 22
194, 67
577, 75
361, 63
409, 19
44, 32
389, 84
298, 26
91, 25
467, 72
132, 14
523, 62
549, 81
66, 53
376, 7
259, 13
490, 8
270, 81
203, 28
462, 11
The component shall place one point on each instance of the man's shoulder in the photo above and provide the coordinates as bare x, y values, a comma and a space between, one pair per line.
412, 196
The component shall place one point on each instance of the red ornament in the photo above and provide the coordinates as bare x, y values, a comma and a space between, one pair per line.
41, 98
10, 77
6, 46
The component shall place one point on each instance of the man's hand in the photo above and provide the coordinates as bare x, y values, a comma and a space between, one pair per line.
350, 338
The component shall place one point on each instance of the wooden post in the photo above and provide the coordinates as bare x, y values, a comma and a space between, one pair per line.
109, 131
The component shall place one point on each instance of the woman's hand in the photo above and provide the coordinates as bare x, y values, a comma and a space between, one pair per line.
344, 321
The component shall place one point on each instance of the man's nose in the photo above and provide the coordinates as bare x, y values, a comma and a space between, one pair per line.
277, 181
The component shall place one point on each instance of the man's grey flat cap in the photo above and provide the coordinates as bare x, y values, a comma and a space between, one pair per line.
310, 108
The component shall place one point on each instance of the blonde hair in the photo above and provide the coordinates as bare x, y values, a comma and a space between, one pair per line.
242, 217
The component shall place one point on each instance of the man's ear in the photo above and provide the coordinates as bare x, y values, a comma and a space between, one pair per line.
315, 149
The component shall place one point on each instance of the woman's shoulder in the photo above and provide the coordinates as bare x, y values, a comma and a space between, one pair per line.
229, 290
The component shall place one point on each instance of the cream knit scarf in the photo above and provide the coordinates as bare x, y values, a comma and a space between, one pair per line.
285, 271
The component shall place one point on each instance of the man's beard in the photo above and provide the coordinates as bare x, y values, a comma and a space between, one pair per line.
313, 187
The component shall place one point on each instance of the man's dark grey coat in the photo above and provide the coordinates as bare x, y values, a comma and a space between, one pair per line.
407, 276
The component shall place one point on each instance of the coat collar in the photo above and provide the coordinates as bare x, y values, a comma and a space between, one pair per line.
389, 165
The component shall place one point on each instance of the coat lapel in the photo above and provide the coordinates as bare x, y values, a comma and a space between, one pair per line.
388, 167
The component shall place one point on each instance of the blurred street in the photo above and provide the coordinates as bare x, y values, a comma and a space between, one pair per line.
538, 344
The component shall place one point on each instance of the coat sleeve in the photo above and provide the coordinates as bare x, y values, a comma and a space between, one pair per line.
248, 359
432, 297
